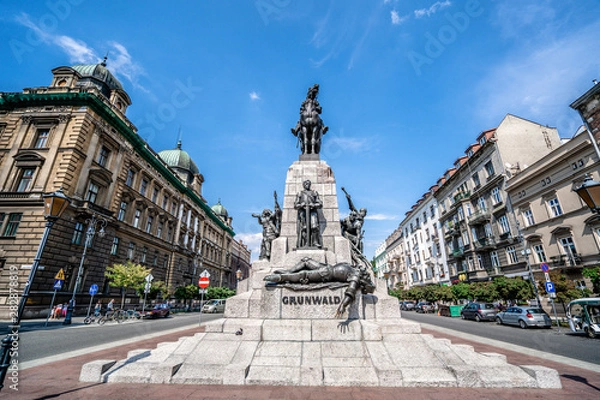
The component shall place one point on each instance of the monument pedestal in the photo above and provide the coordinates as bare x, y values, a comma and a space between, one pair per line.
287, 334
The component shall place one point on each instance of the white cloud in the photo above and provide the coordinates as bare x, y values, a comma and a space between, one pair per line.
254, 96
541, 81
252, 240
381, 217
438, 5
397, 19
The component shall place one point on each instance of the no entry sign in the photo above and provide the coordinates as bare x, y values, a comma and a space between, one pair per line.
203, 282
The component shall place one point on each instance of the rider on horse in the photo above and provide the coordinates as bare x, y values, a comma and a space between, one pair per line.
310, 128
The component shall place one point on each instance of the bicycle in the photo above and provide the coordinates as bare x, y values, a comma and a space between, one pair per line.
117, 315
92, 318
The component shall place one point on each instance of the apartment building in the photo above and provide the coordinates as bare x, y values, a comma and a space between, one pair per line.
479, 226
74, 135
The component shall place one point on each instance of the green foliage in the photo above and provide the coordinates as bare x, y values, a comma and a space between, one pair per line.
445, 294
461, 291
218, 293
484, 291
565, 288
186, 292
594, 275
126, 276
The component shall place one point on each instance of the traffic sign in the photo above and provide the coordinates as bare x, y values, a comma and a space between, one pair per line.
547, 276
205, 274
149, 278
201, 291
58, 283
93, 289
550, 287
544, 267
60, 275
203, 282
147, 287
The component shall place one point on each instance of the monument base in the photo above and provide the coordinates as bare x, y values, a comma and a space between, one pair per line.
296, 352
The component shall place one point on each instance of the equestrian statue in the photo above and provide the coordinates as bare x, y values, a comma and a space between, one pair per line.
310, 128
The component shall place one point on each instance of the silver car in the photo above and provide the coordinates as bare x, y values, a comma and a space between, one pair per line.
525, 317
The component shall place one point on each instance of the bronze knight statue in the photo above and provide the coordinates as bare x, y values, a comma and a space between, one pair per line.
271, 223
310, 128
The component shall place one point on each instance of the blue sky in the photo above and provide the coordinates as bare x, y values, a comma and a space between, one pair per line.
405, 86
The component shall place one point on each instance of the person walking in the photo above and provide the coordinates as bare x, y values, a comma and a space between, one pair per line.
98, 308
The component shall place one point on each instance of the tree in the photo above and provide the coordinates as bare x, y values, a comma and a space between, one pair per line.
218, 293
185, 293
461, 291
126, 276
445, 294
484, 291
594, 275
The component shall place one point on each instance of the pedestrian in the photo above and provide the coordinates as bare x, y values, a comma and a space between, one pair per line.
57, 311
98, 308
110, 307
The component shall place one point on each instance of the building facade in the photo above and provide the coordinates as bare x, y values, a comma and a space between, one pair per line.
74, 135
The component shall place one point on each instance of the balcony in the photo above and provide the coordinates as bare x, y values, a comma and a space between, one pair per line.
456, 253
485, 244
480, 217
461, 196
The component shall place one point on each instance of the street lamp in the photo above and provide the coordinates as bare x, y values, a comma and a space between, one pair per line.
589, 191
526, 252
238, 275
54, 205
93, 224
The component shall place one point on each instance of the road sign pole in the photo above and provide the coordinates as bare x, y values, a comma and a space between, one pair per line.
201, 305
90, 306
554, 310
51, 308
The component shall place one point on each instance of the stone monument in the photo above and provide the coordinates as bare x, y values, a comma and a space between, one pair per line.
311, 313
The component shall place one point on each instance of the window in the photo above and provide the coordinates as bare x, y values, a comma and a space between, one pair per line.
174, 208
130, 177
41, 138
103, 156
528, 217
131, 250
461, 214
114, 250
77, 233
165, 203
122, 211
476, 181
10, 230
481, 204
511, 254
144, 254
155, 259
155, 195
495, 259
503, 224
555, 209
488, 230
489, 169
432, 211
159, 229
496, 196
149, 224
482, 140
25, 179
539, 253
424, 216
136, 218
92, 193
143, 187
568, 247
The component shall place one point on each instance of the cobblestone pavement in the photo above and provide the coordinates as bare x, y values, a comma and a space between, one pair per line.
61, 380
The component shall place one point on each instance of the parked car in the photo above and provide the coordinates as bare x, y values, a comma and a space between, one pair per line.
214, 306
584, 316
159, 310
479, 312
524, 317
424, 307
407, 305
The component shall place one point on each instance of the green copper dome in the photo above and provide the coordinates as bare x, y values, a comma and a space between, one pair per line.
219, 210
100, 73
179, 159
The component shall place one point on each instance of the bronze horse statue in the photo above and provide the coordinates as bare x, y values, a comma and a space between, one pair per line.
310, 128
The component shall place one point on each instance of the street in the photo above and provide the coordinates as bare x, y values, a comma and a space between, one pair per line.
35, 344
565, 343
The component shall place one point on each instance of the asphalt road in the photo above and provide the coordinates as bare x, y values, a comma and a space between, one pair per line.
564, 343
37, 343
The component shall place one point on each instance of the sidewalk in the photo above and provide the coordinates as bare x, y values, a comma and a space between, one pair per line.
61, 380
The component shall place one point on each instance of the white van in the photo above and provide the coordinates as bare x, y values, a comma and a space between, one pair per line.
214, 306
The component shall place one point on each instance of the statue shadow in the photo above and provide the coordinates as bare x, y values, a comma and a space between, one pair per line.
344, 326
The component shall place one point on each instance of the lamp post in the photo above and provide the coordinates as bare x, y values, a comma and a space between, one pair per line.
526, 252
93, 224
589, 192
54, 205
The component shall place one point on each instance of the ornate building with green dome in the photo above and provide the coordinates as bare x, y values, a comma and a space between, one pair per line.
74, 134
